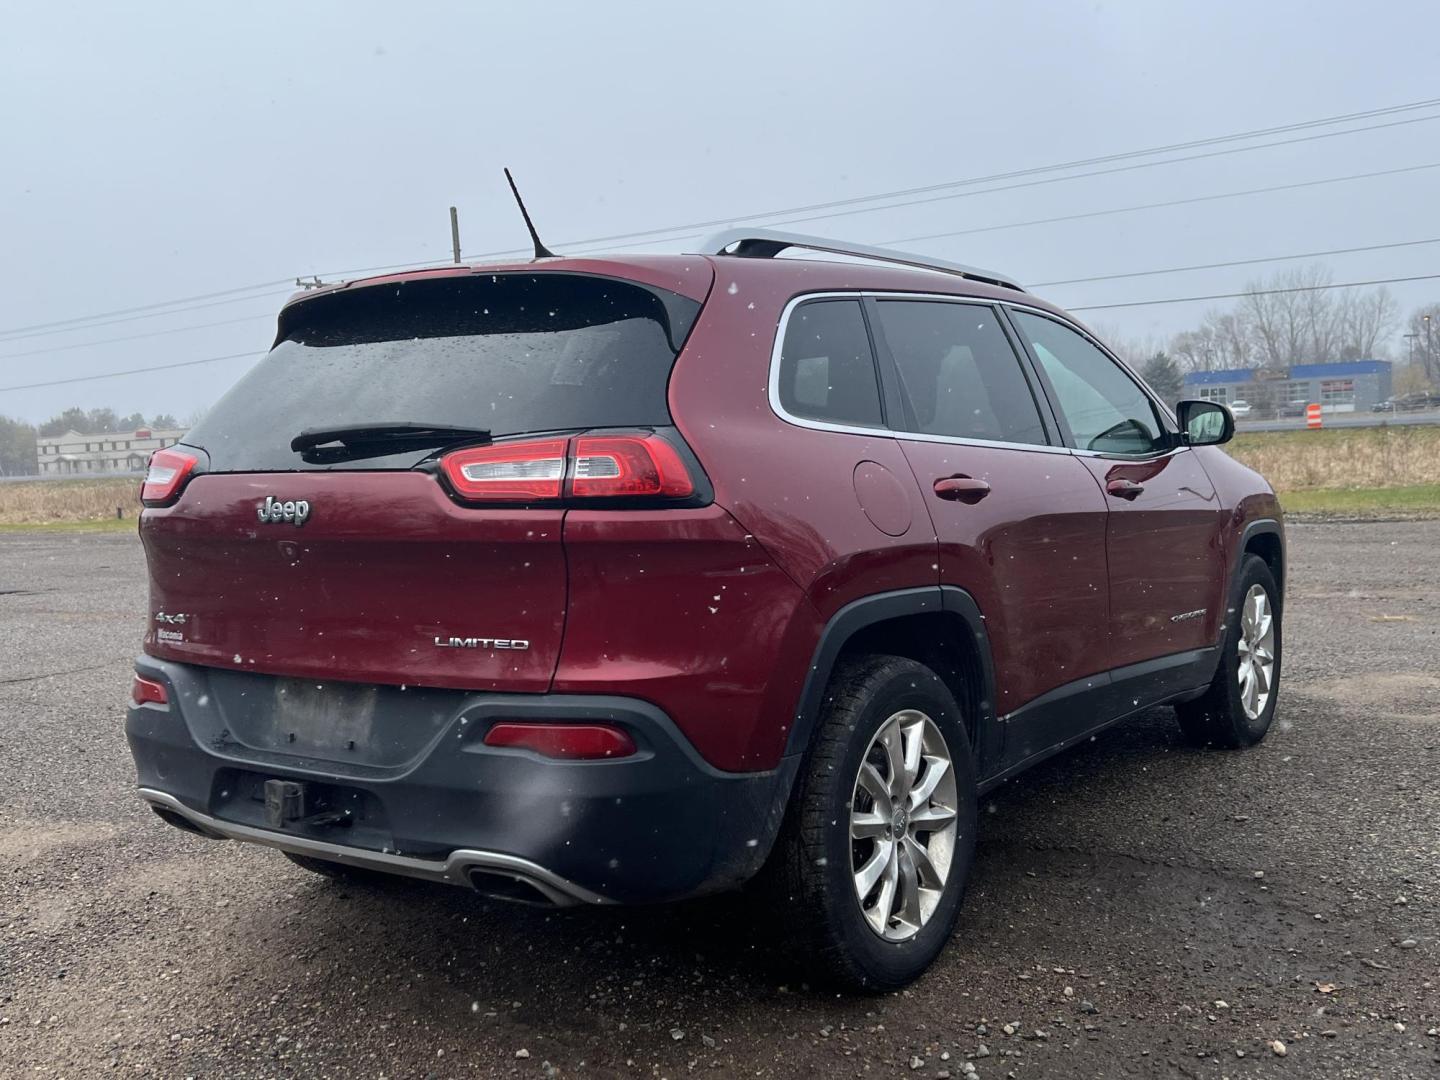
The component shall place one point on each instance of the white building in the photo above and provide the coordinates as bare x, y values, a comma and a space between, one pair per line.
115, 452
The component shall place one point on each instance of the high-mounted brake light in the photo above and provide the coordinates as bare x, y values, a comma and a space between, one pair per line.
148, 691
570, 742
508, 472
169, 469
629, 465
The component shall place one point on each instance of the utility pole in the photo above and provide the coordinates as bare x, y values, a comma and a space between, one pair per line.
455, 233
1429, 349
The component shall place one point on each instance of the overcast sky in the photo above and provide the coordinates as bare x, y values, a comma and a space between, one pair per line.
163, 150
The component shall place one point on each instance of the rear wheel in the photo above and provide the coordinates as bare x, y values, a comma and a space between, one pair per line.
879, 841
1240, 704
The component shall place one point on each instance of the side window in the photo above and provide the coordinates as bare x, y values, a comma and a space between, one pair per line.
960, 376
827, 371
1105, 408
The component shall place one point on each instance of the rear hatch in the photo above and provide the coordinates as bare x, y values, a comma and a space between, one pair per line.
365, 557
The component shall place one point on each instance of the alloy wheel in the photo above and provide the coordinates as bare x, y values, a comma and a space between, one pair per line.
903, 825
1256, 668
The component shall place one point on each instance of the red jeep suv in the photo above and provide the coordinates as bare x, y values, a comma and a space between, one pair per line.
619, 580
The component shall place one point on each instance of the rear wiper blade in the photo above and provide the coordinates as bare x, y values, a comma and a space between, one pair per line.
411, 434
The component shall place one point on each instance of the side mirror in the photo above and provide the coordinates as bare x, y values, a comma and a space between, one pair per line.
1205, 423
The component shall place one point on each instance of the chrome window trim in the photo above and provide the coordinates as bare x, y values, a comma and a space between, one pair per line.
881, 432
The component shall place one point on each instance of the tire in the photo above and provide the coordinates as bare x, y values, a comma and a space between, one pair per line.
812, 875
1230, 714
336, 871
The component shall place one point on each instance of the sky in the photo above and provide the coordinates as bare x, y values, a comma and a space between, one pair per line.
174, 150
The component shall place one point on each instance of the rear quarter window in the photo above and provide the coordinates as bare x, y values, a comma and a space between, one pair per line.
827, 368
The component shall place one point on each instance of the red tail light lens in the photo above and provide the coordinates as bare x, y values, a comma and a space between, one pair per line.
629, 465
148, 691
586, 467
169, 469
508, 472
570, 742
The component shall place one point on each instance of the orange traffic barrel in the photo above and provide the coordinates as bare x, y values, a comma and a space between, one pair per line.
1312, 415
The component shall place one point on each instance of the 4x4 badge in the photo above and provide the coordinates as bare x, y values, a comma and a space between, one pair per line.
273, 511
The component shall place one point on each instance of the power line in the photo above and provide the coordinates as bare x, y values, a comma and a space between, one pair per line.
150, 315
1255, 292
1014, 174
585, 249
130, 371
1096, 172
1087, 307
86, 322
1034, 285
1234, 262
135, 337
94, 319
24, 330
15, 335
1161, 205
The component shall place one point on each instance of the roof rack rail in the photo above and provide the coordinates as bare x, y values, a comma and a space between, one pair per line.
767, 243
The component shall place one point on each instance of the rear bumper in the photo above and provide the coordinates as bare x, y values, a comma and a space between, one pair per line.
457, 868
659, 825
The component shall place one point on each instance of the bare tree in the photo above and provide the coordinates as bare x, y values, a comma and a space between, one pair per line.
1289, 318
1287, 315
1232, 338
1320, 317
1366, 320
1133, 350
1196, 350
1425, 345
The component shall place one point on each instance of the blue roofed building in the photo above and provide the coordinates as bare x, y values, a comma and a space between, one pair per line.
1347, 386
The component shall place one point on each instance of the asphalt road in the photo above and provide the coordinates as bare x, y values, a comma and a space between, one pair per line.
1137, 908
1342, 420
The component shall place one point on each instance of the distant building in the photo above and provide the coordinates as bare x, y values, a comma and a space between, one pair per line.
114, 452
1349, 386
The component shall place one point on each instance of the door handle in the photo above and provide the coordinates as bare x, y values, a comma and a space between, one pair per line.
1124, 489
964, 489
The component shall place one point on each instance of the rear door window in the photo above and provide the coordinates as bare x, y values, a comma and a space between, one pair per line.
508, 353
1104, 407
827, 369
958, 373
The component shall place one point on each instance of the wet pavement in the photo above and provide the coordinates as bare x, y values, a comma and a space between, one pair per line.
1137, 908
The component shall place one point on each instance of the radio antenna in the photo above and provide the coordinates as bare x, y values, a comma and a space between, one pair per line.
541, 251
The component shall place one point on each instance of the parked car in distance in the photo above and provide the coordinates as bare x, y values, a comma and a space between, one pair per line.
1388, 405
1418, 401
1239, 408
1294, 408
622, 580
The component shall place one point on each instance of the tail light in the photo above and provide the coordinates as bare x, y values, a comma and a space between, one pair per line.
169, 469
641, 465
628, 465
571, 742
508, 472
148, 691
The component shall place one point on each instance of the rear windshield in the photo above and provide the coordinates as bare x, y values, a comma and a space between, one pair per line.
510, 353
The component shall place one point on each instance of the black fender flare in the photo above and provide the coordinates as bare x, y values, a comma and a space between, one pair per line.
881, 607
1252, 529
1259, 527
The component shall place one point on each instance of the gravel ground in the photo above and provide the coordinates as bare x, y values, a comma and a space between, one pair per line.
1137, 908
